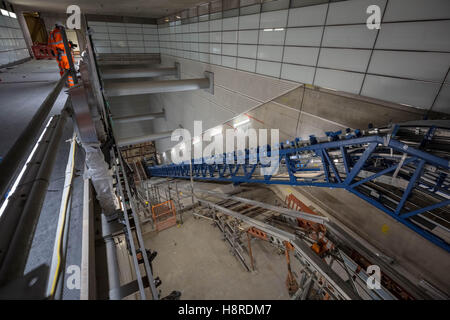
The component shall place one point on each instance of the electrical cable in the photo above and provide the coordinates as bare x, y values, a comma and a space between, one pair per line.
66, 194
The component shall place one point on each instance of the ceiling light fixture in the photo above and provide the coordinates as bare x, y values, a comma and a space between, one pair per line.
216, 131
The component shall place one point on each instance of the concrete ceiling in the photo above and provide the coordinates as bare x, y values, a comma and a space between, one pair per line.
132, 8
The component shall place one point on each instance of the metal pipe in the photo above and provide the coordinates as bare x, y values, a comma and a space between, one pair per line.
113, 268
105, 65
13, 158
69, 54
120, 73
14, 260
141, 139
138, 117
138, 233
116, 89
88, 281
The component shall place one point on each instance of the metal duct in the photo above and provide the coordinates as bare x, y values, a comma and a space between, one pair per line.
148, 72
161, 86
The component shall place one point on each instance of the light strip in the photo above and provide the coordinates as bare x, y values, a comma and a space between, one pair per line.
19, 177
4, 12
12, 15
242, 122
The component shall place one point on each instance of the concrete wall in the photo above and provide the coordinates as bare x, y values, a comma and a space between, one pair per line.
296, 110
329, 45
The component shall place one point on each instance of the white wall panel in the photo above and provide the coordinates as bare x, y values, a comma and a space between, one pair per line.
274, 19
339, 80
271, 53
229, 49
344, 59
230, 23
416, 65
268, 68
442, 103
424, 35
115, 37
352, 11
351, 36
249, 22
229, 36
418, 50
301, 55
247, 51
215, 25
307, 16
300, 74
203, 26
408, 10
248, 36
272, 37
246, 64
229, 61
304, 36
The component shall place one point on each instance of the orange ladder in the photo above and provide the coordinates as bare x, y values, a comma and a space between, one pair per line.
164, 215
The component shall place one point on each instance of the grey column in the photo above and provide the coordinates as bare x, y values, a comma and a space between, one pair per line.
149, 86
142, 72
138, 117
141, 139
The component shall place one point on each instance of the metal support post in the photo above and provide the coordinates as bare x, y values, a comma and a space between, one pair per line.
249, 239
140, 72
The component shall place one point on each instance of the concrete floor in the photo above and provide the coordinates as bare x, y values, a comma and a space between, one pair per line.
194, 259
22, 89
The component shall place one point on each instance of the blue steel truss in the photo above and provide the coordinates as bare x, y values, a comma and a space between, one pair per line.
356, 164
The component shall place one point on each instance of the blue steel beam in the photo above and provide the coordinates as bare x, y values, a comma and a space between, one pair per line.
353, 162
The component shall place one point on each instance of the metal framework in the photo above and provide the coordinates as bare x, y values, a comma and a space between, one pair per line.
409, 184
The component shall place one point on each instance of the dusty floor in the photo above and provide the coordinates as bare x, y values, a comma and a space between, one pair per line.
193, 258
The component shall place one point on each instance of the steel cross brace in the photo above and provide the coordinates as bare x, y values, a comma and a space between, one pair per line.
332, 177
